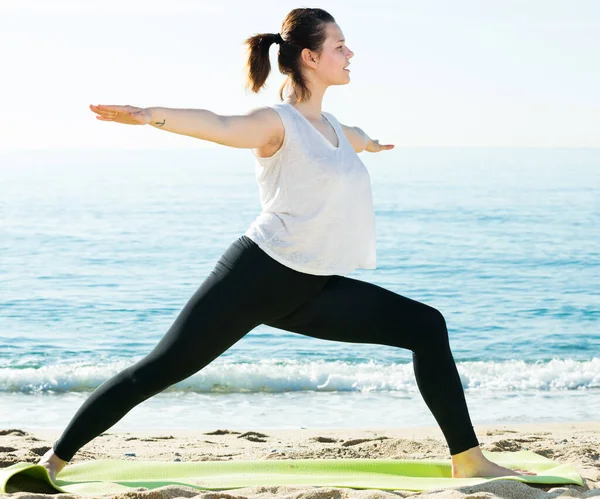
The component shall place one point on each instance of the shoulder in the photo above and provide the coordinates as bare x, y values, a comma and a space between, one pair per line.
272, 118
275, 116
268, 113
268, 117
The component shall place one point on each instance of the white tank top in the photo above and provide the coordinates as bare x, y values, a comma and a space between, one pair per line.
317, 212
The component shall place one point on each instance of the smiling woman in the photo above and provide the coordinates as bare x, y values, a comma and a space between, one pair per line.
317, 223
303, 46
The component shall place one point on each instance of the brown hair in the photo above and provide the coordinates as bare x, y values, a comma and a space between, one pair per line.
302, 28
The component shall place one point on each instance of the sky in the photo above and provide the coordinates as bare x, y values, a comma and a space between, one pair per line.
426, 73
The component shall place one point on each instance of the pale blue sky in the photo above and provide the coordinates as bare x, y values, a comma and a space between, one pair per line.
425, 72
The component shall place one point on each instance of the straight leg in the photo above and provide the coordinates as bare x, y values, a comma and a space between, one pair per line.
204, 329
245, 288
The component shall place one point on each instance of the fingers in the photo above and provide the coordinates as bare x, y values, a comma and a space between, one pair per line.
107, 109
110, 108
105, 113
383, 147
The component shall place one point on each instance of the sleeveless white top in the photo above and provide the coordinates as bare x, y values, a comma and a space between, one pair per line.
317, 212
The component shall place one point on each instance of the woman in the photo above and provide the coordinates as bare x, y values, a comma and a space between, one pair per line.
287, 270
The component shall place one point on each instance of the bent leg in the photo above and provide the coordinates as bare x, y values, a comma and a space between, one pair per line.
356, 311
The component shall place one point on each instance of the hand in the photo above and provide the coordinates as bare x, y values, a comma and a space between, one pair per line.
128, 115
375, 146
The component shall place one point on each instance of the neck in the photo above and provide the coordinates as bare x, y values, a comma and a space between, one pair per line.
310, 108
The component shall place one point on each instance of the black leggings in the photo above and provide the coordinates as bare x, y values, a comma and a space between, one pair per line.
248, 288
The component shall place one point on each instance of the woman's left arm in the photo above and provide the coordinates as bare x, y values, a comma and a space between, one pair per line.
360, 141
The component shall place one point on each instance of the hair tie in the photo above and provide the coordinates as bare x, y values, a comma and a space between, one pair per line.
278, 39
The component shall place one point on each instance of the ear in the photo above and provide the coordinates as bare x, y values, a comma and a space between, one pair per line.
308, 58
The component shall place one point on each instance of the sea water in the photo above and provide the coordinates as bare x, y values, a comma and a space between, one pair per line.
100, 250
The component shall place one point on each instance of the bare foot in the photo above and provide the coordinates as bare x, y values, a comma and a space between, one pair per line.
472, 463
489, 469
52, 463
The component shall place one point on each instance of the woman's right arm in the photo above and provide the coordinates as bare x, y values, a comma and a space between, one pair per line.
256, 129
249, 131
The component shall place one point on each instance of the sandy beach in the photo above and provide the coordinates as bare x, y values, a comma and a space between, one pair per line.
575, 443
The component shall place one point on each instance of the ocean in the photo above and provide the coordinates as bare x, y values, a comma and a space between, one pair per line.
100, 250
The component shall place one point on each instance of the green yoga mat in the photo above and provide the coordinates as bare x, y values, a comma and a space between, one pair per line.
106, 476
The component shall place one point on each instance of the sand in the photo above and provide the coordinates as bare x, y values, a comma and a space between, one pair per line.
575, 443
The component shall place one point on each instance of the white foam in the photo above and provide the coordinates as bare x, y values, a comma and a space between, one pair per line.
278, 376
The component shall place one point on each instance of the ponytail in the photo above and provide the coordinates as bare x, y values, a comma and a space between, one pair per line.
258, 65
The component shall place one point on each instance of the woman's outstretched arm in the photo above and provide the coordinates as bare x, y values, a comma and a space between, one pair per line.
360, 141
253, 130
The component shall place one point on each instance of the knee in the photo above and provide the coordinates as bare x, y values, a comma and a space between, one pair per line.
438, 323
434, 332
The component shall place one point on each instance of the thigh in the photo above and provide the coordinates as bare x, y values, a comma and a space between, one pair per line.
245, 288
356, 311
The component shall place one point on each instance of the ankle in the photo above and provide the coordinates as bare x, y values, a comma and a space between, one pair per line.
469, 458
53, 459
57, 459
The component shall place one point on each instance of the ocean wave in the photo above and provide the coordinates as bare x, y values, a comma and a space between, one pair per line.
279, 376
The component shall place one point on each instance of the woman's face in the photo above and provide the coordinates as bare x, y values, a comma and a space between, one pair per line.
334, 58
